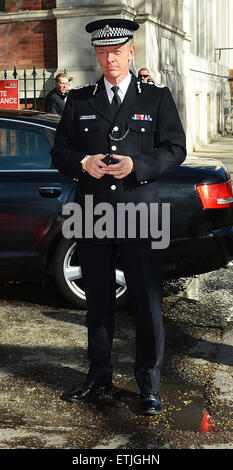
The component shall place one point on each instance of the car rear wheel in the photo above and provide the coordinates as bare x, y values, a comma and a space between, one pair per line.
68, 276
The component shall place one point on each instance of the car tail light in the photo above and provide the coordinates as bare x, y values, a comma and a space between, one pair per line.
216, 196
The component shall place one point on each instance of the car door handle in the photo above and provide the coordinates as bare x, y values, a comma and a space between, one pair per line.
47, 191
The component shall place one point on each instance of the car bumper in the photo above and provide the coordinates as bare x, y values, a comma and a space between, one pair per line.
196, 255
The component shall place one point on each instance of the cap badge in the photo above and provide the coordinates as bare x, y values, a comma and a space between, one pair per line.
107, 30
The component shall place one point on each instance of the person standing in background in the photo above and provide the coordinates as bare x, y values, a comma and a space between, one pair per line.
144, 76
56, 98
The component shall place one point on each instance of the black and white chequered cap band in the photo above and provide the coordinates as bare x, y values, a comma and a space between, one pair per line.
111, 31
109, 36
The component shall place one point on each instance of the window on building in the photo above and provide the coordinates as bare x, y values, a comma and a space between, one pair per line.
157, 9
2, 5
169, 11
202, 27
167, 52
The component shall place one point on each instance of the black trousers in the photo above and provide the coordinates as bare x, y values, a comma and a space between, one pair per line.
142, 269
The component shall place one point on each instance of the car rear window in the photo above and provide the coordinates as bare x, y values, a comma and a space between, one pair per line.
23, 147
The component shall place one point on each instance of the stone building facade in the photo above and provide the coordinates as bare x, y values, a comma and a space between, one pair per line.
184, 43
207, 62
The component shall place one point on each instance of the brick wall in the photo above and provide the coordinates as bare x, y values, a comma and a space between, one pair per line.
16, 5
25, 44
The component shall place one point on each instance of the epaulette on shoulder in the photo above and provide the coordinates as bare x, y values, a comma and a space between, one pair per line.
160, 85
84, 86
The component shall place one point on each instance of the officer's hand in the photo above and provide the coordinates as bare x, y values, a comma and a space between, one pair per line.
122, 169
94, 165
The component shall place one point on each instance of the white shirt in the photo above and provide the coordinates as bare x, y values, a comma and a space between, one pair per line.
123, 87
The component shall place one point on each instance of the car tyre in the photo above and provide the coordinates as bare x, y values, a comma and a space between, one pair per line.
68, 276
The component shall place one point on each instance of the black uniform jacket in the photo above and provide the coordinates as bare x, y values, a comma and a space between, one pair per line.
147, 128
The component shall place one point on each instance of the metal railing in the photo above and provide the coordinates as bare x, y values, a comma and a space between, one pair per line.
33, 85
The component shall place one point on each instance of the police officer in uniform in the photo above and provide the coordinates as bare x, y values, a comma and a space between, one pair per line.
117, 137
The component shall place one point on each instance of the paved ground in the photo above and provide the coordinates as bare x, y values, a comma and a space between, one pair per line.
221, 149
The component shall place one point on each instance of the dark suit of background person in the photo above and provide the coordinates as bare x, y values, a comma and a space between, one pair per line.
56, 99
156, 146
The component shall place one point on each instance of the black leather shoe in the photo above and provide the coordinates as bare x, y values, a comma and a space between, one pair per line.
151, 404
87, 392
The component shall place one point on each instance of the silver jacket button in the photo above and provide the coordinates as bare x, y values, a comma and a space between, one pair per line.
113, 147
113, 187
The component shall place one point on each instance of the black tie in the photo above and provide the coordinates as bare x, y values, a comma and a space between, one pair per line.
116, 101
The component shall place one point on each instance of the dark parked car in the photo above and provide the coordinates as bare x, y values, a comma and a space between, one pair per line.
33, 193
